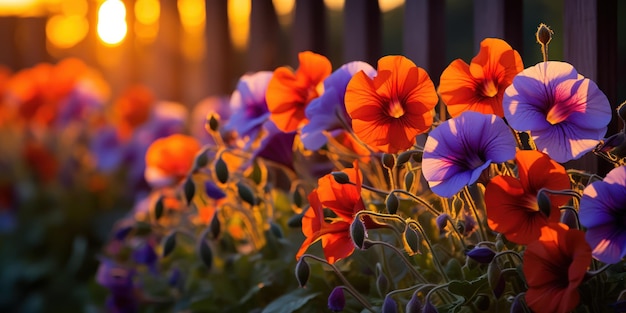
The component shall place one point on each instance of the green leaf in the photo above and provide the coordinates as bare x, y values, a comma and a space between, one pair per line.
290, 302
467, 289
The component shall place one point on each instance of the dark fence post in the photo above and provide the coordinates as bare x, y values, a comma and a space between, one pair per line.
218, 49
499, 19
424, 37
30, 36
362, 31
263, 43
8, 54
590, 28
309, 28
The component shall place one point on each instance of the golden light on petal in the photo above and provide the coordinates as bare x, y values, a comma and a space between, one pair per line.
112, 22
66, 31
239, 22
147, 11
192, 15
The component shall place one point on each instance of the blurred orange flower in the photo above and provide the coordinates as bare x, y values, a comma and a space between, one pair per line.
511, 203
132, 109
391, 109
289, 93
345, 201
554, 267
480, 85
169, 159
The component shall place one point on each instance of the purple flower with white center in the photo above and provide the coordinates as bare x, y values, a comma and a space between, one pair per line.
459, 149
248, 104
565, 113
326, 111
603, 213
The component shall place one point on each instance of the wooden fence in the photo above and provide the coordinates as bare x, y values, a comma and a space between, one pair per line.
589, 41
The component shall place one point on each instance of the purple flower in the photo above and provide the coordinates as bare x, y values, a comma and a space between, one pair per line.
565, 113
337, 300
326, 111
248, 104
603, 213
458, 150
119, 281
277, 146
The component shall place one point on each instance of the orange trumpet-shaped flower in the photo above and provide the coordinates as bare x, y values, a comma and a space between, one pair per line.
512, 207
345, 201
391, 109
554, 266
480, 85
169, 159
288, 93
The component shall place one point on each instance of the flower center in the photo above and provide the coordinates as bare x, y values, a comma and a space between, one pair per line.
395, 108
489, 88
556, 115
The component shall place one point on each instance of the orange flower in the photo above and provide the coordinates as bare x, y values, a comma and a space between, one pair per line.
389, 110
554, 267
169, 159
512, 203
133, 109
289, 93
480, 86
345, 201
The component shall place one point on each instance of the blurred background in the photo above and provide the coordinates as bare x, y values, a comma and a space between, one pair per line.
186, 51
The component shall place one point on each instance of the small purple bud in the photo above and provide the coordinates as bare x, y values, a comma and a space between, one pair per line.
337, 300
174, 277
414, 305
389, 305
122, 232
470, 224
519, 305
481, 255
213, 191
569, 218
442, 221
429, 307
145, 254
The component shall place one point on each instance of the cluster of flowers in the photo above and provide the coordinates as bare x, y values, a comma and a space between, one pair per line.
506, 225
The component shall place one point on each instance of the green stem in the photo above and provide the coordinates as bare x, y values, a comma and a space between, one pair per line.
402, 256
343, 279
472, 205
430, 247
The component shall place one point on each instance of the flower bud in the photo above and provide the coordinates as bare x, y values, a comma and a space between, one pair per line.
337, 300
481, 255
202, 159
569, 218
411, 241
389, 305
246, 194
414, 305
145, 254
392, 203
409, 178
302, 272
382, 284
276, 230
215, 228
205, 253
357, 232
429, 307
543, 202
519, 305
442, 221
221, 170
341, 177
295, 221
159, 208
169, 243
544, 34
213, 122
495, 279
388, 160
189, 189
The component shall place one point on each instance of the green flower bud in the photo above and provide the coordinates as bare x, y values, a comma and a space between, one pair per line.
302, 272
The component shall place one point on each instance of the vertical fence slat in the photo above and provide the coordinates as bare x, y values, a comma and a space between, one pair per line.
8, 53
362, 31
218, 49
499, 19
424, 35
30, 35
580, 41
264, 36
309, 28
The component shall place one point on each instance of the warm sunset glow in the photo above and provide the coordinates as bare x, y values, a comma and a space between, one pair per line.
22, 7
284, 7
66, 31
336, 5
239, 22
388, 5
112, 22
74, 7
147, 11
192, 15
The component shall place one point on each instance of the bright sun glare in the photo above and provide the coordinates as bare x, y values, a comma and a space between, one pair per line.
112, 22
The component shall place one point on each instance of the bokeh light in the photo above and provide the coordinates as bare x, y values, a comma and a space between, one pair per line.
239, 22
65, 31
112, 22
